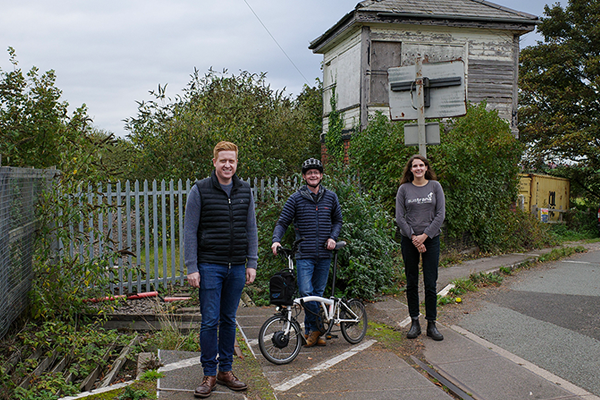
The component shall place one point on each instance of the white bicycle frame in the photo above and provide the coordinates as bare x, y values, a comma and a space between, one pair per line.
328, 305
329, 308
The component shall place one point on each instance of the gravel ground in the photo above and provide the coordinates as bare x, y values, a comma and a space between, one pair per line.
149, 305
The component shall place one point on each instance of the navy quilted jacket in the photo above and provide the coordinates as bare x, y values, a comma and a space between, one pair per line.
316, 218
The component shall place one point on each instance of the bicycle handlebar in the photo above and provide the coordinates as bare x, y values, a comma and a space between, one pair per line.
290, 252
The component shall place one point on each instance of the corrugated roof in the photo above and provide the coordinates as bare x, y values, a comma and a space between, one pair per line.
463, 8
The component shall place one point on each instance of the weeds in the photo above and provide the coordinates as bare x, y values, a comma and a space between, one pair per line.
482, 279
130, 393
151, 375
557, 254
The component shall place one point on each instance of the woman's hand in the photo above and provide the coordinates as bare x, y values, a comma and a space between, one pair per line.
419, 239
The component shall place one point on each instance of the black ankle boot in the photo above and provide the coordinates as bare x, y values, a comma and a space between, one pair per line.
415, 329
433, 332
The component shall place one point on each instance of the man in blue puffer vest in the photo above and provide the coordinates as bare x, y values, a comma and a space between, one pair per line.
317, 217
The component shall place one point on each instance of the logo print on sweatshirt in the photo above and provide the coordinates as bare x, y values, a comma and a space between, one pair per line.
422, 200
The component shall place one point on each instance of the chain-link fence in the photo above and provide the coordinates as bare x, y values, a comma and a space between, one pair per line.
20, 189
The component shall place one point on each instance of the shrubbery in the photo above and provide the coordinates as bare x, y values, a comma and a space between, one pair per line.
477, 164
367, 266
478, 167
370, 263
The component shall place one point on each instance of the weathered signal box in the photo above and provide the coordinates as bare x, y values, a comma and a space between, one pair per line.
380, 34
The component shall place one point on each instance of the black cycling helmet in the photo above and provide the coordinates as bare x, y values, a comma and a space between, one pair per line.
312, 163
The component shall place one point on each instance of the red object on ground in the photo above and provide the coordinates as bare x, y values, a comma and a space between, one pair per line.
105, 299
142, 295
131, 297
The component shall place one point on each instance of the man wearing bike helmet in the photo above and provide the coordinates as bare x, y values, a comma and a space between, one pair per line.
317, 217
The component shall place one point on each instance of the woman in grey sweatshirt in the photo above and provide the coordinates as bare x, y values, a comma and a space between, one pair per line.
420, 212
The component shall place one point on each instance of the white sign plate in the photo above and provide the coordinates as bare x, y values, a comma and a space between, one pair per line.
411, 134
445, 102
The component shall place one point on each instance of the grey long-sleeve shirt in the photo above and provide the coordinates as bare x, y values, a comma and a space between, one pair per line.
192, 221
420, 209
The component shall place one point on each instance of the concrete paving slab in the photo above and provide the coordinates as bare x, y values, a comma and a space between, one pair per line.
182, 374
375, 373
464, 269
486, 374
375, 394
390, 312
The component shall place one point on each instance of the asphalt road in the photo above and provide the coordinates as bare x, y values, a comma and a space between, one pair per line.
550, 316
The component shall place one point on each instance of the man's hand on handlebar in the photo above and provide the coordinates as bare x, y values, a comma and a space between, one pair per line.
275, 247
330, 245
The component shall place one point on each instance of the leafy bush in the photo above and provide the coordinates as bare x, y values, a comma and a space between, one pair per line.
369, 264
377, 156
275, 132
477, 163
581, 222
267, 214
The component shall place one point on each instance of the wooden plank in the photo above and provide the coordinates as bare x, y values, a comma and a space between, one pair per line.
89, 381
119, 362
365, 90
63, 363
41, 368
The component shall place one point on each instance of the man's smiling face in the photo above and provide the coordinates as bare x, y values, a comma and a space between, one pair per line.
225, 166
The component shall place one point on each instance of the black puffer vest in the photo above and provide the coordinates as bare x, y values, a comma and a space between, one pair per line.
222, 235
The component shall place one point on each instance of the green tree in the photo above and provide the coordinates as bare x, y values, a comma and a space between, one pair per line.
377, 155
35, 128
37, 132
560, 93
174, 138
477, 165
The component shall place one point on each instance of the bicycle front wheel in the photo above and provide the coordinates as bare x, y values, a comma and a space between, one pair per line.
354, 332
275, 344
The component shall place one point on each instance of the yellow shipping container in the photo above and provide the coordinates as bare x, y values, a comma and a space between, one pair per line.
545, 196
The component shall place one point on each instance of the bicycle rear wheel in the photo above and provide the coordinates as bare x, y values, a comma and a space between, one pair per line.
277, 346
354, 332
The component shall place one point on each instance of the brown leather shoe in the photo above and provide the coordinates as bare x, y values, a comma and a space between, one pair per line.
206, 388
315, 339
229, 379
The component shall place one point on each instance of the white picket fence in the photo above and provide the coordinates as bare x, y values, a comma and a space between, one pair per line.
144, 222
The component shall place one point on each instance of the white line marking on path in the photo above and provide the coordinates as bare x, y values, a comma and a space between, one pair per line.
527, 365
295, 381
446, 290
246, 338
180, 364
405, 322
577, 262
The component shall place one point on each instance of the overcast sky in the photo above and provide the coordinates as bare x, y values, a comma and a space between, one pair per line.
109, 54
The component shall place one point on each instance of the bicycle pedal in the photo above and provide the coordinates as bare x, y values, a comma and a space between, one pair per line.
331, 337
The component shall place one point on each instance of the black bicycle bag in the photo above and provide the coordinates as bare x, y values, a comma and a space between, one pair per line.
282, 288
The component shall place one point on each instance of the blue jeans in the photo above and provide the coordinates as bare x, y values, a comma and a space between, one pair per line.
312, 279
431, 259
220, 291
